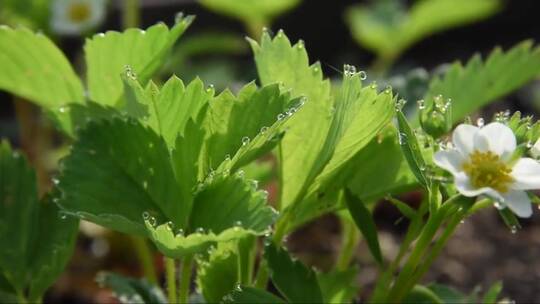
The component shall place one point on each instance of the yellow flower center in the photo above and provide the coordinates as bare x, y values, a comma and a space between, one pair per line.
486, 169
79, 12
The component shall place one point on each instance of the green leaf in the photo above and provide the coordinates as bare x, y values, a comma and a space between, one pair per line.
243, 211
493, 293
250, 295
448, 294
53, 245
251, 11
136, 161
130, 290
166, 110
18, 215
404, 208
107, 56
387, 29
37, 242
248, 125
34, 68
479, 82
217, 276
279, 62
296, 282
369, 182
421, 294
364, 221
339, 286
411, 149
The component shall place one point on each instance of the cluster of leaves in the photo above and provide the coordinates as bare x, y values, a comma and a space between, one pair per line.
159, 160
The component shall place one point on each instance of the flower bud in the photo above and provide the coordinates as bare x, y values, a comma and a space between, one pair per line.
436, 117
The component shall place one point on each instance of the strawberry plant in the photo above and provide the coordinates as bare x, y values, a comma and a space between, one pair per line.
175, 163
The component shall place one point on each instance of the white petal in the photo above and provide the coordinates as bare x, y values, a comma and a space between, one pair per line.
519, 203
496, 137
463, 138
463, 185
526, 174
449, 160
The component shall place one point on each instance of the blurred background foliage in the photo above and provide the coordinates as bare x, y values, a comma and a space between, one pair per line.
397, 42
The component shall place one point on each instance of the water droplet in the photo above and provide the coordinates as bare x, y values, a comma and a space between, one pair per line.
421, 104
513, 229
180, 232
245, 140
101, 35
498, 205
152, 221
263, 130
402, 138
280, 116
145, 184
279, 34
199, 230
388, 89
362, 75
56, 181
238, 288
238, 224
300, 45
62, 109
254, 184
480, 122
170, 226
146, 215
240, 173
62, 215
227, 157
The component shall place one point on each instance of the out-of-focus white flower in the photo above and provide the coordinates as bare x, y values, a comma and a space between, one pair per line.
482, 164
73, 17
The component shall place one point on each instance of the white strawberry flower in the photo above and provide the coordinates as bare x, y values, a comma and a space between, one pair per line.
73, 17
482, 164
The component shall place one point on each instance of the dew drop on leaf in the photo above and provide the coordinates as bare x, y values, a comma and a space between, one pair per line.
146, 215
245, 140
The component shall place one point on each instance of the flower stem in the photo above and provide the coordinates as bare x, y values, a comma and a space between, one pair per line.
437, 248
185, 279
131, 14
170, 270
350, 239
146, 258
403, 281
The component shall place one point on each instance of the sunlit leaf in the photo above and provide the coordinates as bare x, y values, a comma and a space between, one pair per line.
280, 62
259, 12
478, 82
388, 29
107, 56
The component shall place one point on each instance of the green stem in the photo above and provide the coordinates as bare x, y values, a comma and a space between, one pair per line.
255, 27
350, 240
437, 248
185, 279
428, 233
145, 255
170, 271
131, 14
262, 275
21, 298
381, 288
